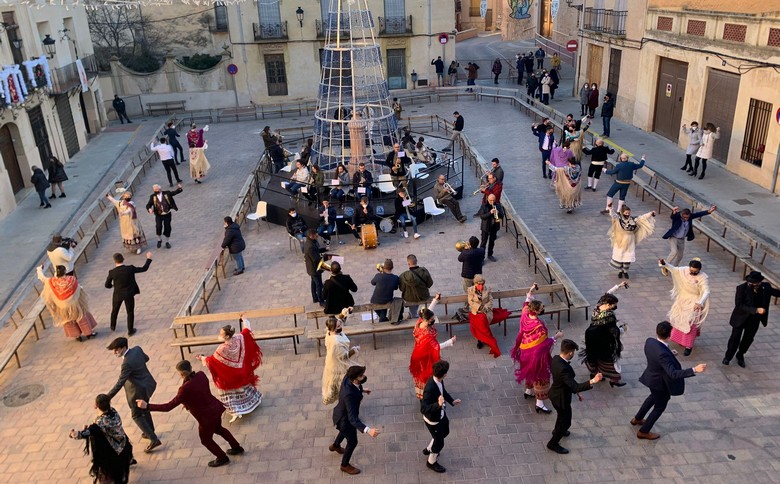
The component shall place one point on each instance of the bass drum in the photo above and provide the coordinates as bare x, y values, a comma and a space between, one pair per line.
386, 225
368, 236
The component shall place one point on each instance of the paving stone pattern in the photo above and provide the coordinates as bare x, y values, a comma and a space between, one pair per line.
724, 428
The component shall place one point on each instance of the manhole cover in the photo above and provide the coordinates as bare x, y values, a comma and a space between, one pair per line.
24, 395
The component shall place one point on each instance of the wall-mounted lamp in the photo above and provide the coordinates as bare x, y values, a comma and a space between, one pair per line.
49, 46
299, 14
17, 43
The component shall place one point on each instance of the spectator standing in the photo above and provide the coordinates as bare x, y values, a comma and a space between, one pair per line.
520, 66
694, 141
452, 71
397, 109
312, 255
593, 99
457, 128
607, 110
584, 97
385, 284
415, 284
555, 62
554, 81
546, 83
41, 184
711, 133
472, 75
234, 243
496, 70
529, 63
539, 55
439, 65
336, 290
57, 176
120, 108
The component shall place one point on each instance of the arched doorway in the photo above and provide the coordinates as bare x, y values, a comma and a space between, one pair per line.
8, 152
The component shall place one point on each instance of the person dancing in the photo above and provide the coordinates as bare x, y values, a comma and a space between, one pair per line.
232, 367
531, 352
627, 231
482, 314
339, 357
566, 180
426, 349
67, 303
602, 339
691, 295
133, 237
199, 165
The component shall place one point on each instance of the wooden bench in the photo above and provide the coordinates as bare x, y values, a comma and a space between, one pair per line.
356, 309
281, 109
166, 107
364, 328
11, 348
203, 115
188, 323
238, 113
261, 335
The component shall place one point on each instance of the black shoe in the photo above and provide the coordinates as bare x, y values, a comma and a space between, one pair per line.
618, 384
687, 352
237, 273
480, 345
426, 452
620, 275
219, 462
692, 173
144, 436
53, 196
198, 181
543, 410
167, 245
131, 332
491, 258
236, 451
527, 396
684, 168
725, 361
565, 434
558, 449
741, 362
702, 176
48, 205
42, 204
159, 244
625, 274
62, 195
436, 467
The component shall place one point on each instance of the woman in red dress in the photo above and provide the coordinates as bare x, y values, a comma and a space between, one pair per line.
482, 314
426, 350
531, 352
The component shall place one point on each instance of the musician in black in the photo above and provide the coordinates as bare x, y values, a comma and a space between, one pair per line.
327, 221
362, 179
491, 214
398, 161
364, 214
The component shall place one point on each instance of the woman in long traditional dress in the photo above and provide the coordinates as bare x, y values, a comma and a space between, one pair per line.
574, 137
427, 349
603, 347
691, 296
199, 165
627, 231
531, 352
567, 185
133, 237
482, 314
339, 356
68, 304
112, 452
232, 367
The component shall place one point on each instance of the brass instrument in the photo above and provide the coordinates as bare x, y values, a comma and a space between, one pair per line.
449, 188
496, 216
411, 204
462, 245
481, 187
323, 265
379, 266
484, 175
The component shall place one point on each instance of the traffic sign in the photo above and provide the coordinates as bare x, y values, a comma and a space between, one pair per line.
572, 45
443, 38
777, 116
232, 69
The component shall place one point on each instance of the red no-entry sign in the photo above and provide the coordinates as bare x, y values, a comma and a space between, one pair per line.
572, 45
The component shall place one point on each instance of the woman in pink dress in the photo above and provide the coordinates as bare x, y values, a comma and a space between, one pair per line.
67, 303
531, 352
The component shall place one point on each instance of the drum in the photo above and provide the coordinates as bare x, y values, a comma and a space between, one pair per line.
386, 225
368, 236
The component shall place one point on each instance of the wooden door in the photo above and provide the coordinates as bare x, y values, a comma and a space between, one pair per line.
41, 135
669, 98
720, 102
545, 19
8, 152
276, 74
68, 124
396, 68
613, 77
595, 57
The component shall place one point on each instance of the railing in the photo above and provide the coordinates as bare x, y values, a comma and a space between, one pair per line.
395, 25
65, 78
606, 21
270, 31
322, 29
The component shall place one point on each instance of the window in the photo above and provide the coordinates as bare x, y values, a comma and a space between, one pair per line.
220, 17
395, 13
756, 129
270, 15
12, 30
664, 23
734, 32
774, 38
697, 27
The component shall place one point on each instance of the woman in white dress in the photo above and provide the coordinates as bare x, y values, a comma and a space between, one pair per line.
133, 237
625, 233
339, 356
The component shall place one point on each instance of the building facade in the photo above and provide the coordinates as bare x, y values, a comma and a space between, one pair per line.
276, 48
672, 62
555, 20
50, 102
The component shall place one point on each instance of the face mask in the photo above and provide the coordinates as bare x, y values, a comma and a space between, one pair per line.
480, 286
693, 273
294, 214
363, 380
338, 330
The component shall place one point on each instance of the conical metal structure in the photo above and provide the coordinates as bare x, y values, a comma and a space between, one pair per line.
354, 120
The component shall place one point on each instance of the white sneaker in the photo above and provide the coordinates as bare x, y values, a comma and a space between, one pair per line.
417, 236
406, 234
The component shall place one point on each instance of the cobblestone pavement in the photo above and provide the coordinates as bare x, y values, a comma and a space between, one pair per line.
724, 428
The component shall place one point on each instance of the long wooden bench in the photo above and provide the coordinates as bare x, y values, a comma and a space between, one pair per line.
25, 326
356, 310
237, 113
188, 323
203, 115
166, 107
362, 328
260, 335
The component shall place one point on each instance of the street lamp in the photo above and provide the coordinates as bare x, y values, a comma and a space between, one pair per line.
17, 43
49, 46
299, 14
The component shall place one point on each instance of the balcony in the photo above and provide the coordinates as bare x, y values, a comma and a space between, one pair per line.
270, 31
65, 78
322, 29
395, 25
611, 22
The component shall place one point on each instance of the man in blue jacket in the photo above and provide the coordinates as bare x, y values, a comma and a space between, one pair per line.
664, 377
682, 230
346, 417
625, 173
545, 133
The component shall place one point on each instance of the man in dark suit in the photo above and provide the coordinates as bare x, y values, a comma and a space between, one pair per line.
562, 388
682, 230
122, 279
195, 394
434, 400
664, 377
161, 203
336, 290
346, 417
492, 213
312, 255
138, 384
751, 308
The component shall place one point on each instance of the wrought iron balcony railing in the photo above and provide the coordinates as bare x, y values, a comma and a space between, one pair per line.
395, 25
322, 29
65, 78
270, 31
612, 22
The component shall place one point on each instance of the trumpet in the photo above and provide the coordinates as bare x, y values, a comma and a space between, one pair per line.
496, 216
379, 266
462, 245
449, 188
484, 175
481, 187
